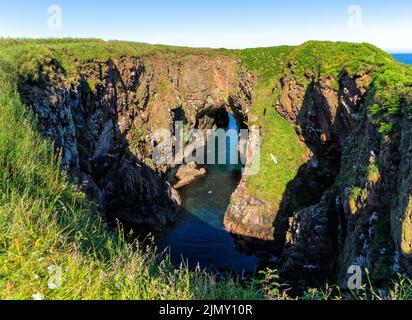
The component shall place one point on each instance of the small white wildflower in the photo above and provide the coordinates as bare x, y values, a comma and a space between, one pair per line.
275, 160
38, 296
36, 276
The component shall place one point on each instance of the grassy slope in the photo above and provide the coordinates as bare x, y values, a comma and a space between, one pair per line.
279, 138
69, 52
321, 59
44, 221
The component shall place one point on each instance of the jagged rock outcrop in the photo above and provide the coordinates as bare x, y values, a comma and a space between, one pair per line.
247, 219
324, 116
104, 118
323, 111
308, 253
85, 128
401, 210
376, 211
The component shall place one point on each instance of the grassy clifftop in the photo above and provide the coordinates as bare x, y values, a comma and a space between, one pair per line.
27, 55
323, 58
312, 61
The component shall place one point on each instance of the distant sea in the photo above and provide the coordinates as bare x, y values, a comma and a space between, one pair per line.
403, 57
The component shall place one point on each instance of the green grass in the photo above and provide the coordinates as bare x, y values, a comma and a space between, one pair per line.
314, 57
356, 192
391, 90
401, 289
279, 141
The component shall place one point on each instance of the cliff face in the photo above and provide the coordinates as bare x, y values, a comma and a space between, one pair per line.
359, 183
376, 212
323, 115
103, 123
251, 221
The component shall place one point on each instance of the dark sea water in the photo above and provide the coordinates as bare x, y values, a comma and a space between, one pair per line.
199, 238
403, 57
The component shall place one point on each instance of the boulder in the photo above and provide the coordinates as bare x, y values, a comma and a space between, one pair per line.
188, 174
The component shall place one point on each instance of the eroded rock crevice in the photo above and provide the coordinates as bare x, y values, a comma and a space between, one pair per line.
330, 110
103, 122
304, 238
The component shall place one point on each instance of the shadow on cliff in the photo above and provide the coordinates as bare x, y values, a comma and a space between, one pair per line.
313, 258
122, 187
318, 174
112, 176
322, 134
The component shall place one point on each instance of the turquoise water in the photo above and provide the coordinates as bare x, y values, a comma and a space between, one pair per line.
403, 57
199, 237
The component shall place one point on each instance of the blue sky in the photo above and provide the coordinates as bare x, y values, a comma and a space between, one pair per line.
213, 23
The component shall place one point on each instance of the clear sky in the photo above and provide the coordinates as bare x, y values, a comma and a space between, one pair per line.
216, 23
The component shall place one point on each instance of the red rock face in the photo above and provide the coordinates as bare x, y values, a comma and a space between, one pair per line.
188, 174
102, 121
321, 112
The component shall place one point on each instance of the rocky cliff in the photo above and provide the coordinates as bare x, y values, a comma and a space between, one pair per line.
354, 208
103, 121
323, 116
334, 186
